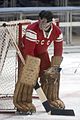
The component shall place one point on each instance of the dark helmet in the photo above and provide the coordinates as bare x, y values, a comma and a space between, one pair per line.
46, 14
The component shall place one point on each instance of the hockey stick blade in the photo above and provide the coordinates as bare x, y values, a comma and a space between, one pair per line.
64, 112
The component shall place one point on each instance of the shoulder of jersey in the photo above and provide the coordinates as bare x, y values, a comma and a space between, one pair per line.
33, 26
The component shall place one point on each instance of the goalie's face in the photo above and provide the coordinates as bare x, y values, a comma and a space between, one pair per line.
44, 25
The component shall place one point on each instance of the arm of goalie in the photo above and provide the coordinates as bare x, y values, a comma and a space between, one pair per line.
56, 61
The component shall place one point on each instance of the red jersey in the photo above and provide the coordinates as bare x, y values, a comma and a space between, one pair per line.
36, 42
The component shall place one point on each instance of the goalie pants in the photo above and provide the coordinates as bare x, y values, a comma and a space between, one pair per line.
45, 62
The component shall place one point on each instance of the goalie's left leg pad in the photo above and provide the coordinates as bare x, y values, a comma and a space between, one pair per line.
50, 87
30, 70
55, 100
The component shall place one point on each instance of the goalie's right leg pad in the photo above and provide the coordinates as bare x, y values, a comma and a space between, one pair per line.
30, 70
28, 75
23, 97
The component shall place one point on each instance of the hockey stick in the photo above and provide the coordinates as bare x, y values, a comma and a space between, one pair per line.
48, 108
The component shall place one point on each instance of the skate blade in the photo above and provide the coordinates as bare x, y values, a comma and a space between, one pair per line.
23, 113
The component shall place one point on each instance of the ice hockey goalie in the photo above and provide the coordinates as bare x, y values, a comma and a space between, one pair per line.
38, 37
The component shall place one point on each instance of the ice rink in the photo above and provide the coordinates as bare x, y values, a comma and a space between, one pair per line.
69, 91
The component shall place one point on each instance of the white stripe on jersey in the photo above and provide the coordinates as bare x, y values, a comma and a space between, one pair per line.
31, 35
31, 31
60, 38
31, 39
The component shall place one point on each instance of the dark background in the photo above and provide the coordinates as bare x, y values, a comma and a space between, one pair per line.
40, 3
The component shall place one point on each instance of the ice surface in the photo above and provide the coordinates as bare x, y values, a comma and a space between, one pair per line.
69, 92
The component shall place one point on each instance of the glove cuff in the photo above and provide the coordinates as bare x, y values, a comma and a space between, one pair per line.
56, 61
